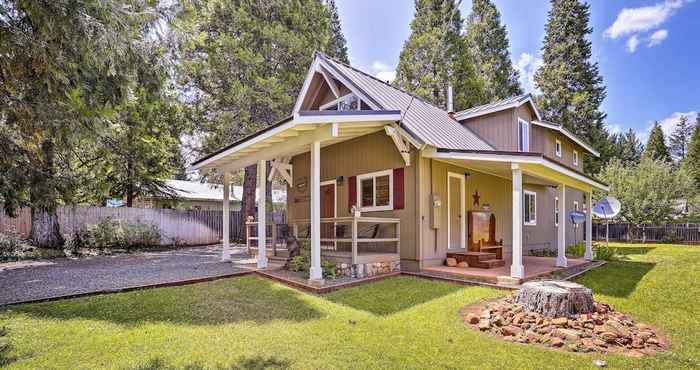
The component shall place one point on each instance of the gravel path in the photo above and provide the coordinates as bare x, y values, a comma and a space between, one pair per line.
33, 280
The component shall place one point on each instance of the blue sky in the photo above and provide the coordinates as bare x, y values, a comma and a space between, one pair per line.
648, 50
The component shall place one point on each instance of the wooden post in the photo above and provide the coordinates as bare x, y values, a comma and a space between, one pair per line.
226, 251
354, 239
315, 272
561, 228
517, 270
262, 225
589, 228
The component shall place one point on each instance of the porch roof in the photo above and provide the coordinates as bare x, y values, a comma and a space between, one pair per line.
538, 167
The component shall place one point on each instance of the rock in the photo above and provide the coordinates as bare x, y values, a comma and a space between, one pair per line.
617, 328
556, 342
608, 337
599, 329
587, 345
511, 330
600, 343
518, 318
600, 363
498, 321
463, 265
567, 334
486, 314
451, 262
560, 321
644, 335
484, 325
472, 319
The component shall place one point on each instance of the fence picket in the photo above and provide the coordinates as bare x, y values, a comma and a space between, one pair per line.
683, 233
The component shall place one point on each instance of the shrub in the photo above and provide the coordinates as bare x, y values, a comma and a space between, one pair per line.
13, 247
577, 250
110, 234
302, 263
542, 252
604, 253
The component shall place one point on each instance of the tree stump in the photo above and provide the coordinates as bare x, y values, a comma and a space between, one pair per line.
555, 298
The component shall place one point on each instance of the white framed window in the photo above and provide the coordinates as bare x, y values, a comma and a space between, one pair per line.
556, 211
530, 210
575, 158
576, 207
557, 148
343, 103
523, 135
376, 191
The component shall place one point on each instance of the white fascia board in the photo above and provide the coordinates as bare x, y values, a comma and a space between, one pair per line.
498, 108
346, 118
507, 158
569, 135
347, 84
307, 81
245, 144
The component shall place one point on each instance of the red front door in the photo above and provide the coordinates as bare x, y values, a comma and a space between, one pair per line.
327, 211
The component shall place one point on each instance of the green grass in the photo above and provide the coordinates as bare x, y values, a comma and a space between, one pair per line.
402, 322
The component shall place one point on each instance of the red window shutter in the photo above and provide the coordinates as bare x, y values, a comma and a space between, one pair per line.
352, 192
398, 188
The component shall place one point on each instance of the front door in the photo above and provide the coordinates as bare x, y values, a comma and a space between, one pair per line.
455, 211
327, 211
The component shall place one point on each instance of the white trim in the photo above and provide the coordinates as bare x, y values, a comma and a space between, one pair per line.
262, 215
557, 148
462, 237
345, 118
561, 226
569, 135
533, 194
373, 176
335, 195
307, 82
329, 82
575, 158
459, 116
557, 215
526, 140
403, 148
338, 100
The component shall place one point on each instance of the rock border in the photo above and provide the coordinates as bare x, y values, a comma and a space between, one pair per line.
603, 331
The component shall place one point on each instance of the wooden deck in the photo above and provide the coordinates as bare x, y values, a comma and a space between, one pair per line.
535, 267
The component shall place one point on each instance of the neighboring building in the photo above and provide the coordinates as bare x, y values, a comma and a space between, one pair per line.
446, 182
197, 195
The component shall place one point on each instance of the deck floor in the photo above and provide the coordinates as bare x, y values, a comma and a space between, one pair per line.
535, 267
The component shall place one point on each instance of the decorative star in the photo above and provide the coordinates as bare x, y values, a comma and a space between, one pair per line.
476, 198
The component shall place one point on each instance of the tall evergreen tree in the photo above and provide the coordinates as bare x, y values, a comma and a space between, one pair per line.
629, 148
427, 61
656, 145
570, 81
487, 39
680, 138
338, 47
691, 164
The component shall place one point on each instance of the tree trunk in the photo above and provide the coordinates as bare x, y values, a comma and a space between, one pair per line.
555, 298
248, 201
130, 183
45, 229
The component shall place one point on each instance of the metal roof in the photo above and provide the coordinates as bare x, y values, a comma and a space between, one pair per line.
427, 122
510, 102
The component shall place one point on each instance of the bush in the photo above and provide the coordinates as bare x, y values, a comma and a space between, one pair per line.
13, 247
577, 250
302, 263
111, 234
542, 252
604, 253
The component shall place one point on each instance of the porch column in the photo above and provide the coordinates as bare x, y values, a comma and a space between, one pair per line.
315, 273
262, 217
226, 251
516, 268
561, 227
589, 227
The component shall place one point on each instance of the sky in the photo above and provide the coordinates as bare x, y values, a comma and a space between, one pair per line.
648, 51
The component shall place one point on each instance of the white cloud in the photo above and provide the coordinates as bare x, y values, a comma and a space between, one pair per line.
635, 20
632, 43
527, 65
383, 72
657, 37
669, 123
615, 128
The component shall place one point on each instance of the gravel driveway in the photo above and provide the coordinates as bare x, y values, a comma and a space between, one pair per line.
35, 280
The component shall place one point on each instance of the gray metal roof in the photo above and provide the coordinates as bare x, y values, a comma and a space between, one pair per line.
495, 106
429, 123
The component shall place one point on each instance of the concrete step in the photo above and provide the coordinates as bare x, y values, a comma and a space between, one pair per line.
487, 264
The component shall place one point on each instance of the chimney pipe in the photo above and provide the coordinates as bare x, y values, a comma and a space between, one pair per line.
450, 108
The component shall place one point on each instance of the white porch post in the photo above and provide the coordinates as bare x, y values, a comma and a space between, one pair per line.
516, 268
262, 234
589, 227
226, 251
315, 273
561, 227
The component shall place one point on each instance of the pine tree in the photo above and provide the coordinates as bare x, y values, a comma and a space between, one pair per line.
427, 61
629, 147
691, 164
656, 145
338, 47
571, 84
487, 39
679, 139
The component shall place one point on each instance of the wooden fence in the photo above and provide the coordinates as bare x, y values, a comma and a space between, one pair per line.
677, 233
182, 227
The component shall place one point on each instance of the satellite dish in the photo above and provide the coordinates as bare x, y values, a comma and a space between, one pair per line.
577, 217
607, 208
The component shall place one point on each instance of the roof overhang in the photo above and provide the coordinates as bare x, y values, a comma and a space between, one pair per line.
568, 134
459, 116
294, 135
534, 164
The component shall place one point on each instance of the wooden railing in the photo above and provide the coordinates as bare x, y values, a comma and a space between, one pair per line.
351, 236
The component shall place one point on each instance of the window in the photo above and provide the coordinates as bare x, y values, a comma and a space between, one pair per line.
575, 209
556, 211
523, 135
530, 211
376, 191
557, 149
575, 158
343, 103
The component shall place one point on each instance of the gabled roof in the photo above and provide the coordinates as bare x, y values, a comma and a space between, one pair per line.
497, 106
560, 128
204, 191
425, 121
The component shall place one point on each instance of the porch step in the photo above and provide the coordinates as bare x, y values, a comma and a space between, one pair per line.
278, 259
472, 256
487, 264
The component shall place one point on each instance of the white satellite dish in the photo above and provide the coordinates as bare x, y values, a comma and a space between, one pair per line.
607, 208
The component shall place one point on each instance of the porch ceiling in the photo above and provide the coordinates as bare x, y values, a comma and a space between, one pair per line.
294, 136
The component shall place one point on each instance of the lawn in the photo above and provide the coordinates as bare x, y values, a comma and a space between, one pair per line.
402, 322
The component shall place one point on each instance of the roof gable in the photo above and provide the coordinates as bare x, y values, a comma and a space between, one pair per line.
497, 106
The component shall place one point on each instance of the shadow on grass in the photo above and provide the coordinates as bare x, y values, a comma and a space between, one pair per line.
617, 278
246, 363
392, 295
247, 298
625, 251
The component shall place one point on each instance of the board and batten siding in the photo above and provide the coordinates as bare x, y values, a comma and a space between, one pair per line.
495, 129
366, 154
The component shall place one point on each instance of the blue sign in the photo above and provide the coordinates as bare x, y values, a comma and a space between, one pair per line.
114, 203
577, 217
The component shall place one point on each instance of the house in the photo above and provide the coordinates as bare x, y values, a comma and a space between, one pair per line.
195, 195
378, 179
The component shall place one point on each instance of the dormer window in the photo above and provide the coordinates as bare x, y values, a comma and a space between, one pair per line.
575, 158
343, 103
523, 135
557, 148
